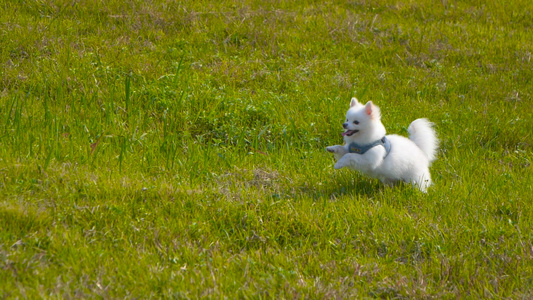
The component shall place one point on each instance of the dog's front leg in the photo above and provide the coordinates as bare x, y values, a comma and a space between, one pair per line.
367, 162
348, 160
337, 150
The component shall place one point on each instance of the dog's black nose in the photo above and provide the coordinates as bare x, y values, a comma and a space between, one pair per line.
345, 125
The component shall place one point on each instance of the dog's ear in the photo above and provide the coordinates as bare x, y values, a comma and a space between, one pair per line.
354, 102
372, 110
368, 108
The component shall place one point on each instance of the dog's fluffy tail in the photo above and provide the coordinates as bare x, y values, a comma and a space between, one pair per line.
421, 132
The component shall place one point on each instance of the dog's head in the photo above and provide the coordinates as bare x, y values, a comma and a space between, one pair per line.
360, 120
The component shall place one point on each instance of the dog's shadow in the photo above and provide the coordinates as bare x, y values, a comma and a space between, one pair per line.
341, 185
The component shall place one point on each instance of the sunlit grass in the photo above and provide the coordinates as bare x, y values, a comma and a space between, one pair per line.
170, 149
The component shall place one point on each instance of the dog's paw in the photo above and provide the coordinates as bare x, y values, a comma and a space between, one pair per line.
338, 149
339, 165
331, 149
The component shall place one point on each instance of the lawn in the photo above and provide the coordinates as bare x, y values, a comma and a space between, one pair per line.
176, 149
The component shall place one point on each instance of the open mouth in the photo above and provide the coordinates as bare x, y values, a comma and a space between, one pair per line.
349, 132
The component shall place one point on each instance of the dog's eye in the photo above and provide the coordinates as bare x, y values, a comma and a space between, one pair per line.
356, 122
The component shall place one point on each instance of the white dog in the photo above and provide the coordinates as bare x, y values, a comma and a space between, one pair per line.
390, 158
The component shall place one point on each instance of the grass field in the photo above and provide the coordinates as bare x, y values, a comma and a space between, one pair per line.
157, 149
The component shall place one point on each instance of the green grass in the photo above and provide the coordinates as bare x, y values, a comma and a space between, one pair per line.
156, 149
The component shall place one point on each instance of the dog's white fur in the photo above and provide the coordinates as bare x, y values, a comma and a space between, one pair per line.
409, 158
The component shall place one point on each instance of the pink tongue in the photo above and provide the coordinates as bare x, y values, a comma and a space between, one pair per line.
345, 133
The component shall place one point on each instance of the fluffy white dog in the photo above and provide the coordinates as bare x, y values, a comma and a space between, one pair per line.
390, 158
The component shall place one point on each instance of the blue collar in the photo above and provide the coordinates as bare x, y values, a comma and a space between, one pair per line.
361, 149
